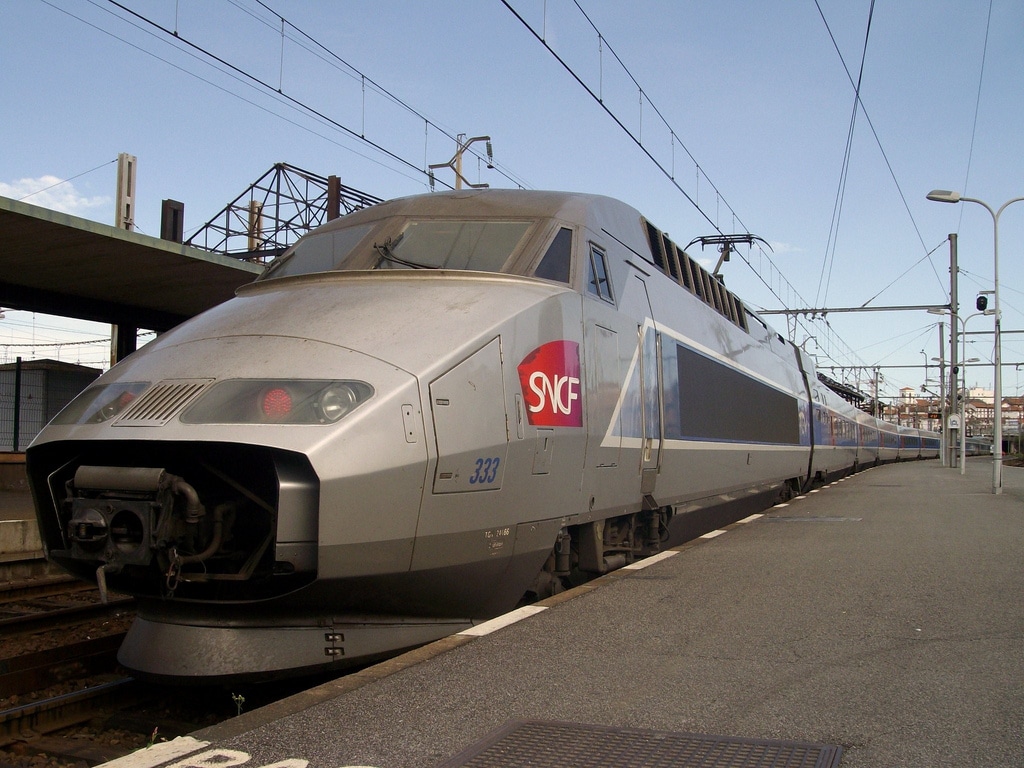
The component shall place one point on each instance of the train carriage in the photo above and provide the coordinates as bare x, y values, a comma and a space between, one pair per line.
888, 442
910, 443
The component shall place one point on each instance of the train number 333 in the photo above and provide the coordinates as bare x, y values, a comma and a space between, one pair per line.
486, 471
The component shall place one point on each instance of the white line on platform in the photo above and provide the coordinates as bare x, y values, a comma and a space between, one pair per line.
503, 621
712, 534
158, 753
752, 518
641, 564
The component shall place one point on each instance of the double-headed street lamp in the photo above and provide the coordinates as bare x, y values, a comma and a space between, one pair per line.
945, 196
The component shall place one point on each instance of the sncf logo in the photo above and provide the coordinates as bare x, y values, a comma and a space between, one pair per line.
550, 379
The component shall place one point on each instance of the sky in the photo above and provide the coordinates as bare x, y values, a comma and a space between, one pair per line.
730, 116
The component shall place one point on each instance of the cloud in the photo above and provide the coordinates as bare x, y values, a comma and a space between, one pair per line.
51, 192
778, 247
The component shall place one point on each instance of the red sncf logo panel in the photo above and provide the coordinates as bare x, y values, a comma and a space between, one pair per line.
550, 379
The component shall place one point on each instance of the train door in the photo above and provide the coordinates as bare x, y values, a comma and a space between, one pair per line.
810, 416
650, 383
613, 412
641, 400
623, 385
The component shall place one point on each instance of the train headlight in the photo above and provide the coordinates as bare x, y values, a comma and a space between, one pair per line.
337, 399
277, 401
101, 403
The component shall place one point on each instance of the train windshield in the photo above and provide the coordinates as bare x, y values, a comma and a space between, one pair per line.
318, 252
483, 246
446, 244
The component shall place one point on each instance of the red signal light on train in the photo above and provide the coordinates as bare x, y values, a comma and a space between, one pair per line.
277, 403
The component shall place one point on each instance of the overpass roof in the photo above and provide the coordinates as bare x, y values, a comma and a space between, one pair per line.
64, 265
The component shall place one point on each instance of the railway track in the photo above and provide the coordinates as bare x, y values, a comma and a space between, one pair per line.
36, 606
26, 721
58, 664
63, 699
39, 670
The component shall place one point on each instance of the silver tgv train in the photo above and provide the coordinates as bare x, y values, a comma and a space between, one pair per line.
423, 411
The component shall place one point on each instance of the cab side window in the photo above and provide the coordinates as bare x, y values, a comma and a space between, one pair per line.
557, 261
597, 281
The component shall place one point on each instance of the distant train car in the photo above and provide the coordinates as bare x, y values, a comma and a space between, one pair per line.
888, 442
931, 444
910, 443
868, 439
421, 412
978, 446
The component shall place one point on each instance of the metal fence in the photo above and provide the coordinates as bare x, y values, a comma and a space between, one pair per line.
32, 393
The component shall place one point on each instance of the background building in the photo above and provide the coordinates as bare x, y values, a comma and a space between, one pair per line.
32, 393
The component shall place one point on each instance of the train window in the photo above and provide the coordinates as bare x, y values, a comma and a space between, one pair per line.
598, 283
320, 252
482, 246
557, 261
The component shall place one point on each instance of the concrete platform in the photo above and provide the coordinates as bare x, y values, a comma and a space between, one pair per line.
16, 505
21, 551
882, 615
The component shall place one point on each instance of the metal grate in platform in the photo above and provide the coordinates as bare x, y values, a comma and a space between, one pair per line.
548, 744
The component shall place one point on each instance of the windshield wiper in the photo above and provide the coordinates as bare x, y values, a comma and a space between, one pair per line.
276, 264
386, 251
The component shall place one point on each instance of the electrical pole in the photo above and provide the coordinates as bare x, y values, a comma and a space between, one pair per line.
954, 308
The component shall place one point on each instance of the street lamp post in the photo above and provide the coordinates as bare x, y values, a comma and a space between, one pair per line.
946, 196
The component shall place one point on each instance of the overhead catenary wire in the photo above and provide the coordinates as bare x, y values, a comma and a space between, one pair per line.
321, 50
708, 196
65, 181
241, 74
212, 84
47, 344
977, 109
878, 141
832, 243
226, 67
267, 86
784, 285
906, 272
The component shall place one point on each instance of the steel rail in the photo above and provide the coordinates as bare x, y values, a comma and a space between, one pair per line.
65, 710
